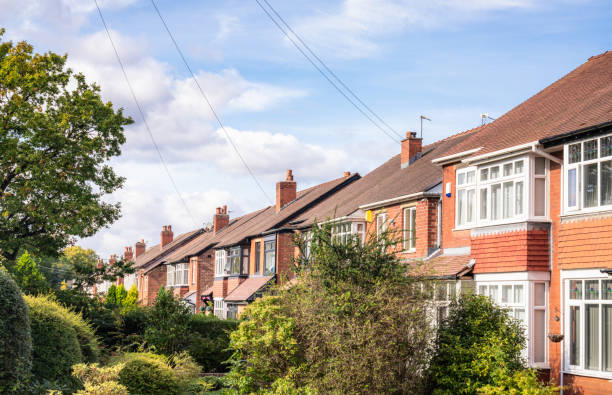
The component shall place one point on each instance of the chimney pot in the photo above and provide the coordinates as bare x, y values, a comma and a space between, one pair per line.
289, 175
347, 173
411, 149
218, 210
225, 209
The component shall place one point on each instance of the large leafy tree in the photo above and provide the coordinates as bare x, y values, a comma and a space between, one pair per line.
56, 138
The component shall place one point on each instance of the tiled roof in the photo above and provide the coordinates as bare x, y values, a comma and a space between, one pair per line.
270, 219
385, 182
580, 99
245, 290
445, 266
154, 253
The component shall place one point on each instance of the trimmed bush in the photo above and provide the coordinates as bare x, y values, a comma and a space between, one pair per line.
60, 339
15, 340
147, 376
98, 380
210, 341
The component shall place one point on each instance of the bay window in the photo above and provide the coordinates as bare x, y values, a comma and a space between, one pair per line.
220, 262
588, 174
177, 275
502, 192
409, 232
343, 231
589, 324
269, 257
526, 302
234, 261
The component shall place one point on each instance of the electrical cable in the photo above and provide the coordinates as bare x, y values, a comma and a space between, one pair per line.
227, 135
324, 74
142, 115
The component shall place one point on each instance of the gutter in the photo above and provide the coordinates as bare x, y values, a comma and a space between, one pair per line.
501, 152
575, 134
399, 199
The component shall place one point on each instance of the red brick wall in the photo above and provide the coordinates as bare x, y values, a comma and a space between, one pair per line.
586, 385
451, 238
585, 243
220, 288
156, 280
285, 254
205, 274
514, 251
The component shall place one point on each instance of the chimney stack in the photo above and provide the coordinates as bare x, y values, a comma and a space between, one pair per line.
411, 149
128, 254
140, 247
112, 260
286, 191
100, 264
166, 235
220, 219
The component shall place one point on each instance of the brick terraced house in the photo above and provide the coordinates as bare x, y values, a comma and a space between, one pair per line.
529, 197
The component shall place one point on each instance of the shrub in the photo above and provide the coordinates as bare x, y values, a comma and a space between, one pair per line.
111, 295
132, 297
26, 274
55, 344
99, 381
168, 324
479, 345
15, 340
131, 326
120, 295
209, 343
146, 376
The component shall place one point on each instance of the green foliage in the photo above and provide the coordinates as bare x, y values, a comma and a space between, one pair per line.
478, 346
56, 139
131, 327
55, 343
98, 380
120, 295
209, 341
352, 323
147, 376
15, 340
131, 298
168, 326
28, 277
111, 296
521, 382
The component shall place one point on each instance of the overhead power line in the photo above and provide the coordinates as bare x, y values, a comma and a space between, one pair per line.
142, 115
285, 30
212, 110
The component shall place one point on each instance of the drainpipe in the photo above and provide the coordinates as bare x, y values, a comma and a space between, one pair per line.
546, 155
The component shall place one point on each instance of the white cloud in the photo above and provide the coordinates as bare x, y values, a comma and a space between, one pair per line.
355, 28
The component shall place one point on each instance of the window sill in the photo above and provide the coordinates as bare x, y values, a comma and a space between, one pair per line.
410, 251
586, 213
589, 373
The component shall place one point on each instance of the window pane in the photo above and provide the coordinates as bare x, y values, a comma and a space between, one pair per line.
461, 207
257, 256
507, 169
606, 182
470, 205
441, 291
494, 172
539, 336
413, 228
591, 289
606, 289
574, 153
590, 149
508, 200
590, 185
571, 188
506, 293
607, 337
575, 289
519, 314
483, 203
574, 335
496, 201
484, 174
518, 167
539, 294
518, 294
460, 178
519, 197
591, 333
606, 146
493, 292
539, 208
482, 290
470, 177
540, 165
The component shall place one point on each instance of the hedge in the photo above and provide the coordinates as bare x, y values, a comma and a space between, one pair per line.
15, 339
210, 341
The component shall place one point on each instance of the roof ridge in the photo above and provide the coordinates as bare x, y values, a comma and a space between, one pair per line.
598, 56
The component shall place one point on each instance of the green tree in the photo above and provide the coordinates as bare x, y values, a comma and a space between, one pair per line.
168, 330
56, 139
81, 266
111, 296
28, 277
120, 295
132, 297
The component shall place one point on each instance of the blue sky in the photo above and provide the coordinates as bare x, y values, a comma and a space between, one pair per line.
448, 59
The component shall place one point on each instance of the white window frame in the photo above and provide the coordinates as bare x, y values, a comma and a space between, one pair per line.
409, 234
219, 308
583, 275
177, 275
528, 284
220, 262
381, 223
343, 230
578, 167
526, 177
